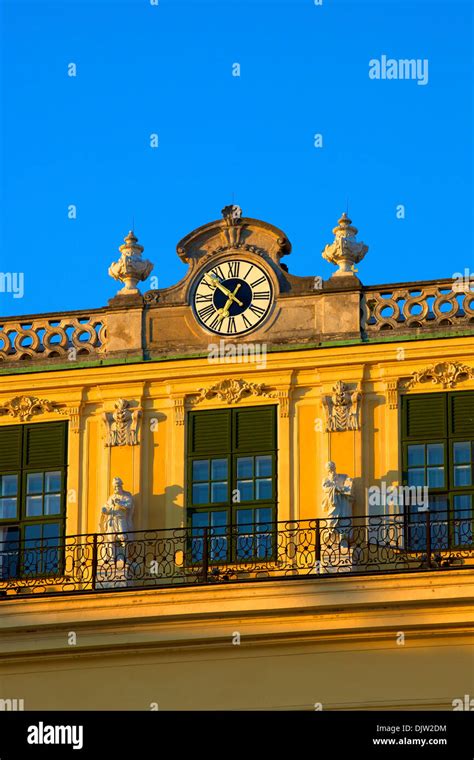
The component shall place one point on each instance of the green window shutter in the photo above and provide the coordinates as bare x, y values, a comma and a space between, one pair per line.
45, 445
424, 416
255, 429
461, 408
10, 447
209, 432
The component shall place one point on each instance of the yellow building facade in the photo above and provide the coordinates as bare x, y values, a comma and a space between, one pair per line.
235, 568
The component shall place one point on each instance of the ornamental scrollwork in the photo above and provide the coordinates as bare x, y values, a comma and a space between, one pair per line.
342, 408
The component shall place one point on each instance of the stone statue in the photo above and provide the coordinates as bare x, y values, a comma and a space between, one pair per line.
337, 500
116, 519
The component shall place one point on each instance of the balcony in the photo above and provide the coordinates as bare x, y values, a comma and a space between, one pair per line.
320, 548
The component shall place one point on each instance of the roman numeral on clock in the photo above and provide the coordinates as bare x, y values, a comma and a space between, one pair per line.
234, 268
202, 297
263, 295
218, 272
257, 282
207, 312
246, 322
256, 310
232, 328
215, 323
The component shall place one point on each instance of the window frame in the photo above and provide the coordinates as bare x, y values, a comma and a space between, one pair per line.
231, 508
447, 437
22, 520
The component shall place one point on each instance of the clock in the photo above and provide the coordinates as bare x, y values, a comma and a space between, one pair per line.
233, 297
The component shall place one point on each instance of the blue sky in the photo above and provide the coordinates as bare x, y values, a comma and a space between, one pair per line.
167, 69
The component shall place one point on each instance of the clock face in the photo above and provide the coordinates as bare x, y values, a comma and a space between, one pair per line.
233, 297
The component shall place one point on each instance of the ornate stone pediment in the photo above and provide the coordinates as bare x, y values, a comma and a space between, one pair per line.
233, 233
122, 424
342, 408
447, 374
25, 407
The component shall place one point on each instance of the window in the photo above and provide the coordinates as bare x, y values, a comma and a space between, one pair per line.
231, 488
32, 498
438, 453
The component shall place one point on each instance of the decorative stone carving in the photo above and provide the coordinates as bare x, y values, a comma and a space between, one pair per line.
392, 392
284, 402
233, 229
130, 268
342, 408
447, 374
116, 520
231, 391
338, 499
122, 424
345, 251
179, 411
25, 407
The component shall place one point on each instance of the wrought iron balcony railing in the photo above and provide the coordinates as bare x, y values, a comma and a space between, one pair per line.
285, 550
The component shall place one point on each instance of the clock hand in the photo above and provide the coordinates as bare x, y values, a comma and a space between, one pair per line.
224, 312
215, 283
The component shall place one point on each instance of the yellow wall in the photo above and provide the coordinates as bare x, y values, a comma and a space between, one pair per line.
318, 640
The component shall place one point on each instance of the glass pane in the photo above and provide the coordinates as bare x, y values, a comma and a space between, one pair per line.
416, 477
51, 553
435, 477
9, 552
264, 489
435, 453
52, 482
201, 493
263, 466
245, 488
218, 541
263, 517
201, 469
245, 518
462, 452
245, 467
219, 469
438, 507
34, 506
34, 482
218, 520
439, 523
245, 545
462, 503
32, 533
416, 455
462, 475
200, 520
50, 531
52, 505
9, 485
8, 508
218, 492
462, 528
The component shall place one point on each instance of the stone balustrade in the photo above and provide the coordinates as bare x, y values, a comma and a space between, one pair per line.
426, 305
53, 336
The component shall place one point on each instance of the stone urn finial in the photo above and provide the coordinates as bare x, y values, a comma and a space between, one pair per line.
130, 268
344, 251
